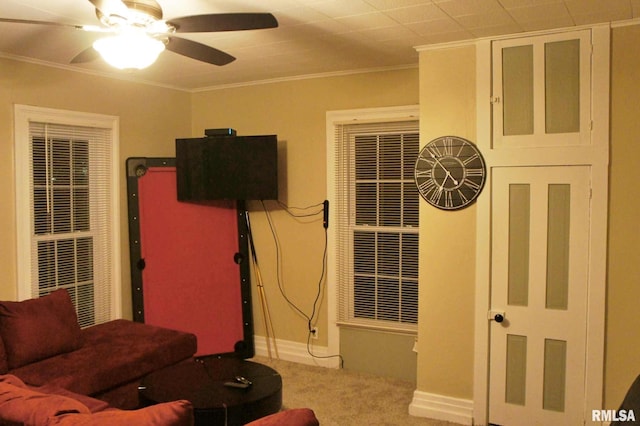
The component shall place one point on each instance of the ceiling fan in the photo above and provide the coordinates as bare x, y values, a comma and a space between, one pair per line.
138, 34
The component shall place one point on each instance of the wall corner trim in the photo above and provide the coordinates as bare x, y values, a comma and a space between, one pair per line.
441, 407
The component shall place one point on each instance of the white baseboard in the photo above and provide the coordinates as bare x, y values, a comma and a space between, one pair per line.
441, 407
296, 352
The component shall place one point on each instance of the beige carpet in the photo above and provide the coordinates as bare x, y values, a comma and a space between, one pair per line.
344, 398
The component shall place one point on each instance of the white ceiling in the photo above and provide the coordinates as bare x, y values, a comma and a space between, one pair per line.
313, 37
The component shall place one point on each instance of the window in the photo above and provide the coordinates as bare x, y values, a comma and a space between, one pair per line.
377, 223
67, 209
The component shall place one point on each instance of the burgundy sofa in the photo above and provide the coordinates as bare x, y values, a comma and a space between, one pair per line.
22, 405
42, 344
54, 373
35, 406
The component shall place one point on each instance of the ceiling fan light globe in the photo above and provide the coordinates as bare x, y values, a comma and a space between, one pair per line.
129, 50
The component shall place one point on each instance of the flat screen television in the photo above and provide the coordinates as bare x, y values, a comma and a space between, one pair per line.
227, 168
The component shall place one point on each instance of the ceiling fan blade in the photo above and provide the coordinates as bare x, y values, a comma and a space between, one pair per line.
87, 55
198, 51
30, 21
223, 22
111, 7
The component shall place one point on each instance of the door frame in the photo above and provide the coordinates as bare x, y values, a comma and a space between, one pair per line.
595, 155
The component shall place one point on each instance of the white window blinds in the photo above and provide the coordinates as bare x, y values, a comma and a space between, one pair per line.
377, 220
70, 210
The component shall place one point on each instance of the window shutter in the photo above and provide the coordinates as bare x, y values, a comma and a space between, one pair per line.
377, 215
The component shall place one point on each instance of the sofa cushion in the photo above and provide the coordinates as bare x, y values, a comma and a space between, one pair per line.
176, 413
113, 353
40, 328
4, 367
20, 405
93, 404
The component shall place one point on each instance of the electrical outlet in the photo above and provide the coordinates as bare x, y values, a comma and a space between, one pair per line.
314, 333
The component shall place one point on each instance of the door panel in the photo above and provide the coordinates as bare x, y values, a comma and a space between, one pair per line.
541, 92
540, 234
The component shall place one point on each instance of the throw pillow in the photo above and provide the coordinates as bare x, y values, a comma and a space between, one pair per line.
20, 405
175, 413
40, 328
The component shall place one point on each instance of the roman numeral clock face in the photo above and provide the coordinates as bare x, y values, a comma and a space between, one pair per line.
450, 172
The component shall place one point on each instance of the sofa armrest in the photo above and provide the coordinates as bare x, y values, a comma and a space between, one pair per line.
21, 405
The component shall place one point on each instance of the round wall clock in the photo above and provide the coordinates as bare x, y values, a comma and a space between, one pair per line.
450, 172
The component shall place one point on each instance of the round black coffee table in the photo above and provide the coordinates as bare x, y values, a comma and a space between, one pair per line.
205, 382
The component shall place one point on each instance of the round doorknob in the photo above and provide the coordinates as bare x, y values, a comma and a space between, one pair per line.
498, 318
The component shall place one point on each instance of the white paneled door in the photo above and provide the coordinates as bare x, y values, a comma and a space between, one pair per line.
540, 249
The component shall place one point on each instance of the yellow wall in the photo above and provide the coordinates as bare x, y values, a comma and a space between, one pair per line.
150, 120
447, 239
296, 112
622, 363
